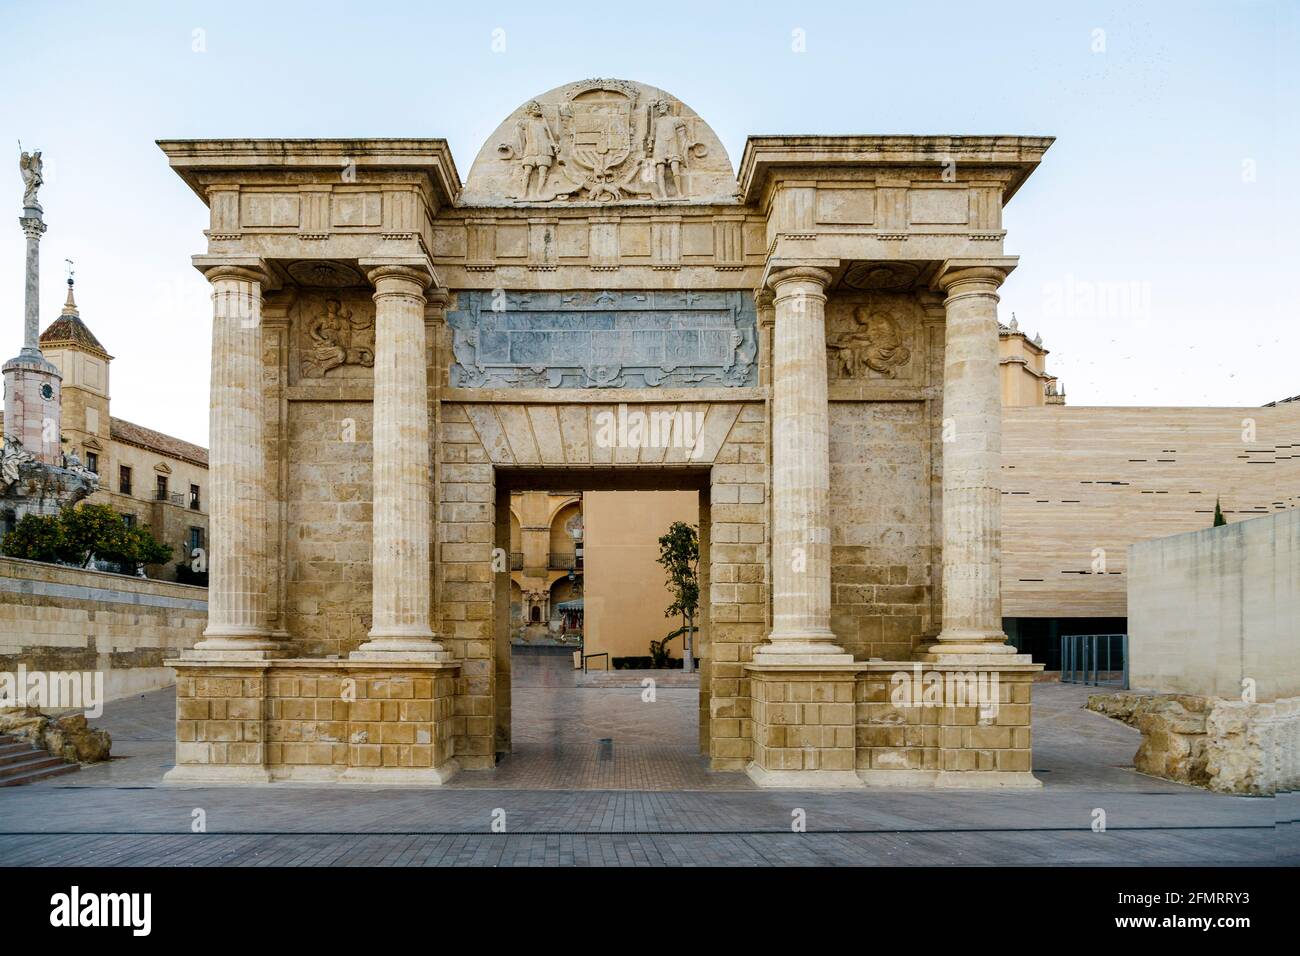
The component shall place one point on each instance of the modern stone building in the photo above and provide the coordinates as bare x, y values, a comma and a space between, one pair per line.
810, 345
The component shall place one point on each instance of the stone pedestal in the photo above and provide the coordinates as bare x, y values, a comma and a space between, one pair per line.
801, 537
803, 725
311, 720
945, 725
237, 471
402, 519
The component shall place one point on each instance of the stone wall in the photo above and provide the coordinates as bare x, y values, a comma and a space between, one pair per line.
54, 618
1214, 612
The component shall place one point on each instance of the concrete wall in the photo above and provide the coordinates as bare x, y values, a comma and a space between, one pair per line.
62, 619
625, 592
1210, 608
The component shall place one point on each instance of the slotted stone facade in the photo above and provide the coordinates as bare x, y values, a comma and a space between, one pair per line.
812, 344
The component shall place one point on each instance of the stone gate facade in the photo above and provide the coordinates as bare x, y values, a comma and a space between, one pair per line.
812, 342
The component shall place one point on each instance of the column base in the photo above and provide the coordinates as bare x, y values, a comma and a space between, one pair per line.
398, 651
810, 649
250, 646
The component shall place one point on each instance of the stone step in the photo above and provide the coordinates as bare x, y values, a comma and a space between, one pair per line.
21, 762
11, 753
53, 767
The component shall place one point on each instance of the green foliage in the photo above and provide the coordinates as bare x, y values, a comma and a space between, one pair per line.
90, 530
1219, 519
679, 554
78, 534
36, 538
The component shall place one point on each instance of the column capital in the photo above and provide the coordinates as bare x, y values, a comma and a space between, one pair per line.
413, 269
33, 226
247, 268
807, 274
992, 270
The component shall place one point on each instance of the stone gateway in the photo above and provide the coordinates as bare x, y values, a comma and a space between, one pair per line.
395, 351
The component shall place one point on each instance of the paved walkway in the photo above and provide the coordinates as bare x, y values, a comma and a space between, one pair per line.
600, 777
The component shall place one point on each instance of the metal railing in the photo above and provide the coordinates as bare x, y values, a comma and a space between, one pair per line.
516, 560
1092, 658
563, 562
587, 657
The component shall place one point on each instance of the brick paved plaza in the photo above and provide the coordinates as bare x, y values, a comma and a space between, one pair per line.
598, 777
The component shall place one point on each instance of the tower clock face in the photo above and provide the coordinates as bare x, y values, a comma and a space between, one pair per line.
47, 391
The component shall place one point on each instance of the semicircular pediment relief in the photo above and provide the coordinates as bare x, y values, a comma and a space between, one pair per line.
601, 141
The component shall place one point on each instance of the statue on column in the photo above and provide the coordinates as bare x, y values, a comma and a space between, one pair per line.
667, 147
30, 166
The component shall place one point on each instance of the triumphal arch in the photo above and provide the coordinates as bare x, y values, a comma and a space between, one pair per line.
812, 343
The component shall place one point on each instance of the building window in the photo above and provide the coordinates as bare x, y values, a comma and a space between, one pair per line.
124, 479
196, 539
194, 497
162, 487
92, 462
128, 519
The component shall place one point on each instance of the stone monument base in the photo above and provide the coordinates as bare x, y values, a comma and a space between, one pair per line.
962, 724
310, 720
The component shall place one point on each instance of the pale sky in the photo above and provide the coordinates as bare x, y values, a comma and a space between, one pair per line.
1157, 239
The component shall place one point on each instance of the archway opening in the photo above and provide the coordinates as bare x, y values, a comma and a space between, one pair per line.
582, 696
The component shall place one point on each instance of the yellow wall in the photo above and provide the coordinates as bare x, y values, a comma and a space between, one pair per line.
625, 595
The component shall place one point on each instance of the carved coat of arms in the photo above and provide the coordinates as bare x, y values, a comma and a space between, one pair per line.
602, 144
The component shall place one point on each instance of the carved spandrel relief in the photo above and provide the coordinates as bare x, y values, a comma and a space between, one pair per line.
603, 340
871, 339
336, 335
602, 141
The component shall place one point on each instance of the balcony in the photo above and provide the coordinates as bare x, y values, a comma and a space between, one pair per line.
516, 560
564, 562
171, 499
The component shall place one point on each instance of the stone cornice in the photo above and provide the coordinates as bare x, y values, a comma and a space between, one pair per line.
192, 158
805, 154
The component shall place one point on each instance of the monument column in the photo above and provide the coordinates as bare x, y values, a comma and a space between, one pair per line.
972, 452
801, 544
237, 469
402, 521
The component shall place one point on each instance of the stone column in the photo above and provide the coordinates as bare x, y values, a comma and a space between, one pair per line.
237, 578
801, 543
402, 522
972, 453
33, 227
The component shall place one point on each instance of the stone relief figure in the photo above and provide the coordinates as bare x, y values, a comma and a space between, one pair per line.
30, 165
337, 338
873, 344
667, 145
12, 457
536, 148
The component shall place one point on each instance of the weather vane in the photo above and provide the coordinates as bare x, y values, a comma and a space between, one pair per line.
70, 270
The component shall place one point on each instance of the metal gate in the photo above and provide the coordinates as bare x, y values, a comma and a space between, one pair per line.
1092, 659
